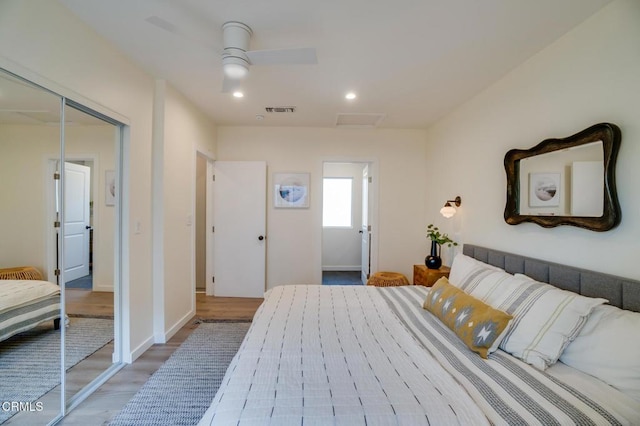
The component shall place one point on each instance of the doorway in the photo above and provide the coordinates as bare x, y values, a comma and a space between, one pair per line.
347, 222
201, 223
78, 242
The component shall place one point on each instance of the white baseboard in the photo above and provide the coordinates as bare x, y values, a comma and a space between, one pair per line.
142, 348
178, 325
341, 268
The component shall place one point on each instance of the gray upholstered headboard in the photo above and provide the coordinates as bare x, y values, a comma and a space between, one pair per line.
621, 292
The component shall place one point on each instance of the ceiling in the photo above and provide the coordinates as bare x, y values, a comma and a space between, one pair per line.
23, 103
412, 61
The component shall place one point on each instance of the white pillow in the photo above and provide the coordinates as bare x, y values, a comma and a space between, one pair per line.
465, 270
608, 348
545, 319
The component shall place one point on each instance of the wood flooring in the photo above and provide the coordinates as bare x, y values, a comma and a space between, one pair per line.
109, 399
99, 304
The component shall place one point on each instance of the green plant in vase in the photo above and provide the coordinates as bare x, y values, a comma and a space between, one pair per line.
434, 261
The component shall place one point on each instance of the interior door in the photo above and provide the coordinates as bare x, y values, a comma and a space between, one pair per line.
76, 220
365, 231
239, 210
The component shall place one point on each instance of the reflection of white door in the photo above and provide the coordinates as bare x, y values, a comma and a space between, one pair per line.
77, 180
239, 210
365, 231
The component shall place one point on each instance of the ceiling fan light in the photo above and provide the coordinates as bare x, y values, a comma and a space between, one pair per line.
235, 70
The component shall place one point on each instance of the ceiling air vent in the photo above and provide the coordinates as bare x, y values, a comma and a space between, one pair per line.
359, 120
281, 109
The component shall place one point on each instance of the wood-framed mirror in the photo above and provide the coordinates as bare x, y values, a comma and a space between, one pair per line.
568, 181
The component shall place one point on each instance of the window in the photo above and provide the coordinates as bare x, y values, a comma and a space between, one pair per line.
336, 202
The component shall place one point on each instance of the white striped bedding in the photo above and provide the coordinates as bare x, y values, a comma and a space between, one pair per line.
26, 303
366, 356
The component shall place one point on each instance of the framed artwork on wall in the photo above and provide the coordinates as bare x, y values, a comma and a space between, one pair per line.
110, 188
544, 189
291, 190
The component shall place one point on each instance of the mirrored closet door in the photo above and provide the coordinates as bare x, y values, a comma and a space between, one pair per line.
91, 149
30, 135
60, 164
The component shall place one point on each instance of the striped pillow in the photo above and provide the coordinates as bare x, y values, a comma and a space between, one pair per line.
546, 319
465, 269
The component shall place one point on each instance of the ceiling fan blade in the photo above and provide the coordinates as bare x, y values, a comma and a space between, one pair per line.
230, 85
196, 38
306, 55
163, 24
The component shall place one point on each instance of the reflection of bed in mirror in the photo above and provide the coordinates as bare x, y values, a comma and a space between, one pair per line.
29, 309
26, 303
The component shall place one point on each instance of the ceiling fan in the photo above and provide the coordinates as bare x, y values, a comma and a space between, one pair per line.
236, 56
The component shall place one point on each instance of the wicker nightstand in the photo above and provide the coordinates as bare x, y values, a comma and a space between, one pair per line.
428, 277
20, 273
387, 279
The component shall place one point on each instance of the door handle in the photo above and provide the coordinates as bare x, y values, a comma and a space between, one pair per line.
261, 238
87, 227
360, 231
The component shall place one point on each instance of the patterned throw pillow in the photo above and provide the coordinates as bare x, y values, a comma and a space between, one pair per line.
478, 325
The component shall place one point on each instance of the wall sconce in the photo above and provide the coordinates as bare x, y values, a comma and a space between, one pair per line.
448, 210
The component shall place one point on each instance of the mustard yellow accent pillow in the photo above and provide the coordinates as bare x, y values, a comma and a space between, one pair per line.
477, 324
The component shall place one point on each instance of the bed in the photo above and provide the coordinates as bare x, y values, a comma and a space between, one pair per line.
368, 355
26, 303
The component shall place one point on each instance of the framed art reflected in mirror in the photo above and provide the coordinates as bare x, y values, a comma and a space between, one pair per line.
568, 181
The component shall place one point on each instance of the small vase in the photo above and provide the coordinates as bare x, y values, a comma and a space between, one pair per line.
433, 261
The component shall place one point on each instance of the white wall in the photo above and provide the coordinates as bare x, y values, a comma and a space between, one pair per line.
44, 40
342, 247
23, 167
294, 254
186, 131
588, 76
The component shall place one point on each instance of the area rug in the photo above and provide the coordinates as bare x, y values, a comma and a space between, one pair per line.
183, 387
30, 361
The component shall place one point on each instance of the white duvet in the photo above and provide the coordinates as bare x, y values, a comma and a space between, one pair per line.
17, 293
335, 355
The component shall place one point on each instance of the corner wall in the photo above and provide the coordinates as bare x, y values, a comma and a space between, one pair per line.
588, 76
186, 132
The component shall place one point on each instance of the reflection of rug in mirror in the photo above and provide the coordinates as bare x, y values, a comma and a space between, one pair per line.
30, 361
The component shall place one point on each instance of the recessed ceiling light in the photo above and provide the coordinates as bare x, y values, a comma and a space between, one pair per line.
238, 94
350, 96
